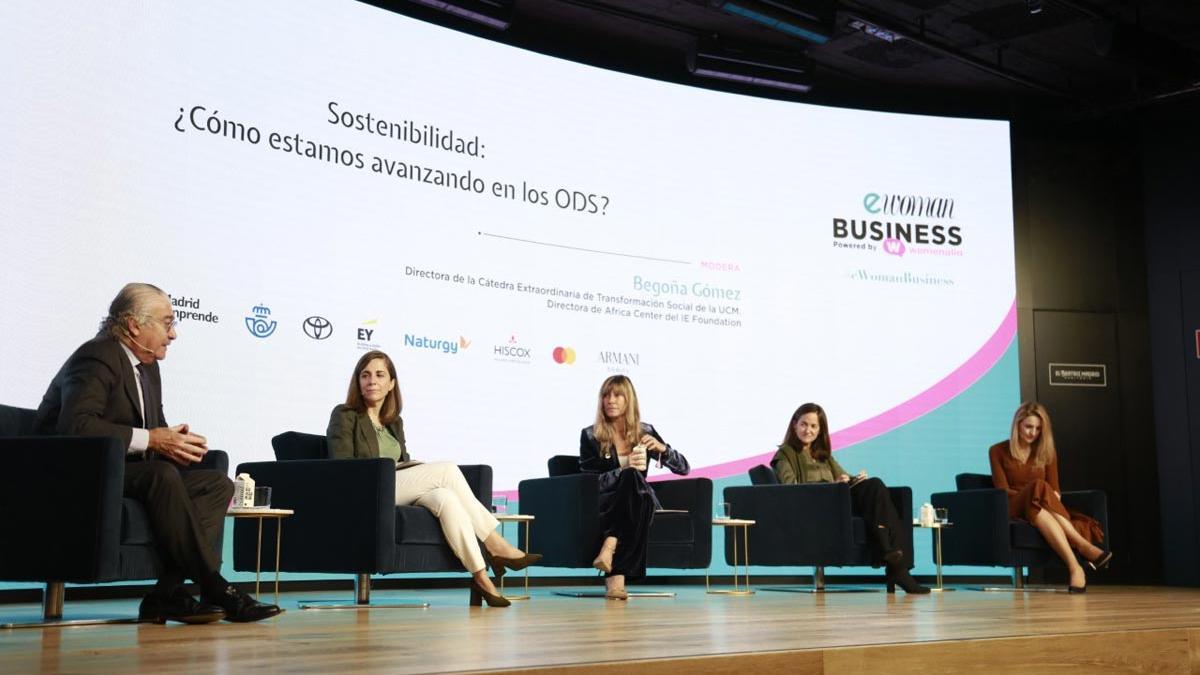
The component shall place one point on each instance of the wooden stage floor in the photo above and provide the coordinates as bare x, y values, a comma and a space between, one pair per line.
1110, 629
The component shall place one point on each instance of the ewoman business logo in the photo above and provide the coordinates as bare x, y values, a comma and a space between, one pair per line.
899, 224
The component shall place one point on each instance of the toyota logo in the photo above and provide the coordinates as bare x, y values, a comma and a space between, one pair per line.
318, 327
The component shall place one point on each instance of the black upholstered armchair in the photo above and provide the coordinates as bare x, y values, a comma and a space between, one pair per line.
802, 525
567, 527
983, 534
65, 519
346, 518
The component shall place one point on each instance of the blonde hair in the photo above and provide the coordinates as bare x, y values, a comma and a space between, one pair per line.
1043, 451
606, 435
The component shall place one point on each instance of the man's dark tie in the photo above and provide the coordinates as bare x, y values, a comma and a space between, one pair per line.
150, 402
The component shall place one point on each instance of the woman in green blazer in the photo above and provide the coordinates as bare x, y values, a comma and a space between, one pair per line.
807, 457
368, 424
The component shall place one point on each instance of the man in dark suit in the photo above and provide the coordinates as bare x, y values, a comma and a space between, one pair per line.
110, 386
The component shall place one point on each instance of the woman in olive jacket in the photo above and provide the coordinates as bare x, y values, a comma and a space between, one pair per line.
369, 425
806, 457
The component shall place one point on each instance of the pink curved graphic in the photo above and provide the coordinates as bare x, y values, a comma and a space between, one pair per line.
950, 386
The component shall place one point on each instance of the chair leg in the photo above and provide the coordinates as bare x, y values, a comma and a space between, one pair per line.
1018, 584
362, 599
52, 612
818, 586
362, 589
52, 601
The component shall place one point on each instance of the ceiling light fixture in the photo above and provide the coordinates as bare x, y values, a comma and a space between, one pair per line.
492, 13
811, 21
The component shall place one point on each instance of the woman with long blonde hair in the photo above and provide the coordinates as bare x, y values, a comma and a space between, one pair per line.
1026, 467
617, 448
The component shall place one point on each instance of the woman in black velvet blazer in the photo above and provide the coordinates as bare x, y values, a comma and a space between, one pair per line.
617, 448
369, 425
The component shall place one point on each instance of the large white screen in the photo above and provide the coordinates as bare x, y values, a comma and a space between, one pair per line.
729, 207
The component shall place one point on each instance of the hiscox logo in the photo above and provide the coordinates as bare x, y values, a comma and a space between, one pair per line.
259, 323
512, 351
563, 356
898, 224
317, 327
435, 344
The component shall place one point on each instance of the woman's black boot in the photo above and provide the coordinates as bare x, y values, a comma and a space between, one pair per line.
898, 576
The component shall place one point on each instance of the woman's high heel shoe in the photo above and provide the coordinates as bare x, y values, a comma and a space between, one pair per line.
897, 576
478, 595
1075, 590
514, 564
603, 561
1100, 562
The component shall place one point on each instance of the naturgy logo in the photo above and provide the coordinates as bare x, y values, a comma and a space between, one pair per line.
422, 342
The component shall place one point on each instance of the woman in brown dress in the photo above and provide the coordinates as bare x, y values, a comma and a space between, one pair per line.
1026, 467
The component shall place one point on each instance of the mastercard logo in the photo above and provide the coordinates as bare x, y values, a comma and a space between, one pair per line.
564, 355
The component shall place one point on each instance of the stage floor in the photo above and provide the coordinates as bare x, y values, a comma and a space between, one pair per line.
1110, 629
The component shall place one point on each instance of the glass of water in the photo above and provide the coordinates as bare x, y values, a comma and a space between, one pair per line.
724, 511
499, 504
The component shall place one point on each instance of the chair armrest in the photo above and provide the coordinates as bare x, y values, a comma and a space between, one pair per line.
1091, 502
566, 509
479, 477
345, 518
980, 533
795, 524
213, 460
694, 495
61, 500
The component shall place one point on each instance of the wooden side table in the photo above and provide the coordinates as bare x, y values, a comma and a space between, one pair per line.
736, 590
518, 518
261, 514
937, 527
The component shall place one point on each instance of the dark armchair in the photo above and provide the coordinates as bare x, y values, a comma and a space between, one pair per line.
803, 525
65, 517
346, 520
983, 534
567, 527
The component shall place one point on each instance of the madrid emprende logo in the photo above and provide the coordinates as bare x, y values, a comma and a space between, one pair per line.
318, 327
259, 323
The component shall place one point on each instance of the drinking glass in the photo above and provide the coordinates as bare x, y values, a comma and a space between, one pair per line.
943, 515
499, 504
262, 497
724, 511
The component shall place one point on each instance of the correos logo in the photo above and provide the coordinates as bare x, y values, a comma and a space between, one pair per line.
563, 355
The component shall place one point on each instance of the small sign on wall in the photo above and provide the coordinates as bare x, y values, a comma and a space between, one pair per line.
1198, 344
1081, 374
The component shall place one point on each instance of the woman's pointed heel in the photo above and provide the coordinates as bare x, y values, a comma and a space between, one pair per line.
1102, 561
478, 596
603, 561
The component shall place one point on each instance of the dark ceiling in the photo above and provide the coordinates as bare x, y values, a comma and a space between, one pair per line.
989, 57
